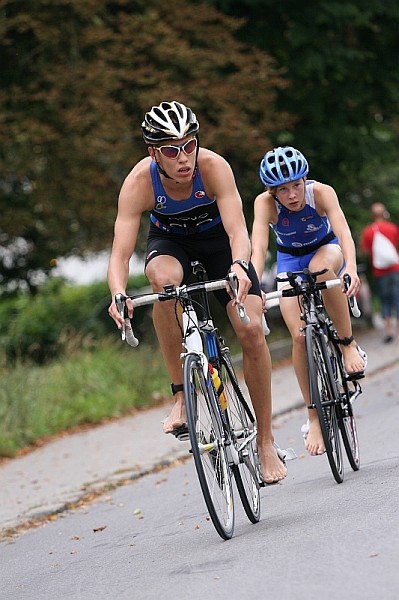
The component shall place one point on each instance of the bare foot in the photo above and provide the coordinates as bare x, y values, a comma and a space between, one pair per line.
272, 468
177, 417
352, 359
314, 442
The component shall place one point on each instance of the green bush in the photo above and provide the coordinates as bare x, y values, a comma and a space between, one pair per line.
38, 327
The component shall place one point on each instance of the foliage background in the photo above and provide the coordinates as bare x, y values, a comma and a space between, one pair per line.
76, 79
78, 75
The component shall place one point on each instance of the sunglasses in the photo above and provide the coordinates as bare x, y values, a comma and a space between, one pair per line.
174, 151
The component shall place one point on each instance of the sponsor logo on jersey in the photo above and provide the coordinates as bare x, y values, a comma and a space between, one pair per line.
160, 203
310, 228
200, 194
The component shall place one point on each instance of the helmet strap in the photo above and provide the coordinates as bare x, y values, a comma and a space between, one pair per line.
196, 155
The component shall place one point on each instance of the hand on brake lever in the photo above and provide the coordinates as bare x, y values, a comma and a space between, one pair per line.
233, 288
351, 283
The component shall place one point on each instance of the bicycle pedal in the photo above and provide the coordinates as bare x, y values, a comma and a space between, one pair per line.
288, 454
181, 433
285, 454
355, 376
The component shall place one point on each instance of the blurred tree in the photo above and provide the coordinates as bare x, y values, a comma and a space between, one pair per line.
341, 59
77, 77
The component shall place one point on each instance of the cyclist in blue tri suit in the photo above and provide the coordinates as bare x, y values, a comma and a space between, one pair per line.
196, 214
311, 231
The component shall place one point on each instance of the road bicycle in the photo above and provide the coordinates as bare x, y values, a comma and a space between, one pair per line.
332, 391
221, 426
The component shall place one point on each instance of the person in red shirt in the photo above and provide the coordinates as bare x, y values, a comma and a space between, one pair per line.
386, 280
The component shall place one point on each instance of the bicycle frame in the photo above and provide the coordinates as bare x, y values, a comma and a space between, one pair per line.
209, 346
199, 335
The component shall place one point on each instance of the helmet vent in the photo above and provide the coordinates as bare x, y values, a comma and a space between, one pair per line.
282, 165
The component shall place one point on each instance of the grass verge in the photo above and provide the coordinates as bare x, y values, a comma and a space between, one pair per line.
85, 387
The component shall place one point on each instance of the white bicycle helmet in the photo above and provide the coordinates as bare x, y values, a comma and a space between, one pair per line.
282, 165
168, 121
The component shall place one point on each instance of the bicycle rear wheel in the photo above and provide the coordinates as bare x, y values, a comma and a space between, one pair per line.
208, 446
347, 424
346, 418
243, 434
323, 395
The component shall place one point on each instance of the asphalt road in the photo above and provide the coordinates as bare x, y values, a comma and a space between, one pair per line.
151, 538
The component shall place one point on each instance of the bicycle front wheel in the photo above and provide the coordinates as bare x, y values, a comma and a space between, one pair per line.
208, 446
323, 396
346, 418
243, 435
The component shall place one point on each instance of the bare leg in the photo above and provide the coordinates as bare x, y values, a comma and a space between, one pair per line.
161, 271
314, 442
337, 305
388, 328
257, 374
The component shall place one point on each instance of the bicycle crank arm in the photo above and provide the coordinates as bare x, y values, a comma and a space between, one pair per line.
247, 441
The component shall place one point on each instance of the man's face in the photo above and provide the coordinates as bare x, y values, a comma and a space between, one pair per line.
176, 157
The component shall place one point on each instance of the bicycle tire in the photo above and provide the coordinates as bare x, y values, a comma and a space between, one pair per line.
208, 447
245, 473
323, 395
346, 417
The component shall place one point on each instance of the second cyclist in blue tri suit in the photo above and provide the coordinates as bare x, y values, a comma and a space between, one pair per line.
311, 231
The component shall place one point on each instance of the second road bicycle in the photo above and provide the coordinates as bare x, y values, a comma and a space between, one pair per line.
332, 390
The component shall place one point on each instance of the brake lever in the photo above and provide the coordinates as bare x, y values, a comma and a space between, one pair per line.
352, 301
126, 331
233, 282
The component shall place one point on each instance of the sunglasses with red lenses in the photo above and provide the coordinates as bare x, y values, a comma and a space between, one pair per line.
174, 151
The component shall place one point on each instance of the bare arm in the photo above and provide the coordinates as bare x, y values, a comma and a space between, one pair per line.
134, 199
220, 183
260, 231
327, 201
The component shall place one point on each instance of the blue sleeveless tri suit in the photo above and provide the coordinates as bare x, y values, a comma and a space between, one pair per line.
300, 233
191, 230
193, 215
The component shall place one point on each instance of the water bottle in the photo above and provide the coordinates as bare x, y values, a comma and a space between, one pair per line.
193, 339
219, 387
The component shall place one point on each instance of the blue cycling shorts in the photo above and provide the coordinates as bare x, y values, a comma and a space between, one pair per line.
287, 262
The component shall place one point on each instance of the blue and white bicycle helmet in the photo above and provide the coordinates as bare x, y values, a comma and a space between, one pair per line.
168, 121
282, 165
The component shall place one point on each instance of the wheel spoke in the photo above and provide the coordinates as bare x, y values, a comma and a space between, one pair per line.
346, 417
208, 448
244, 440
324, 396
